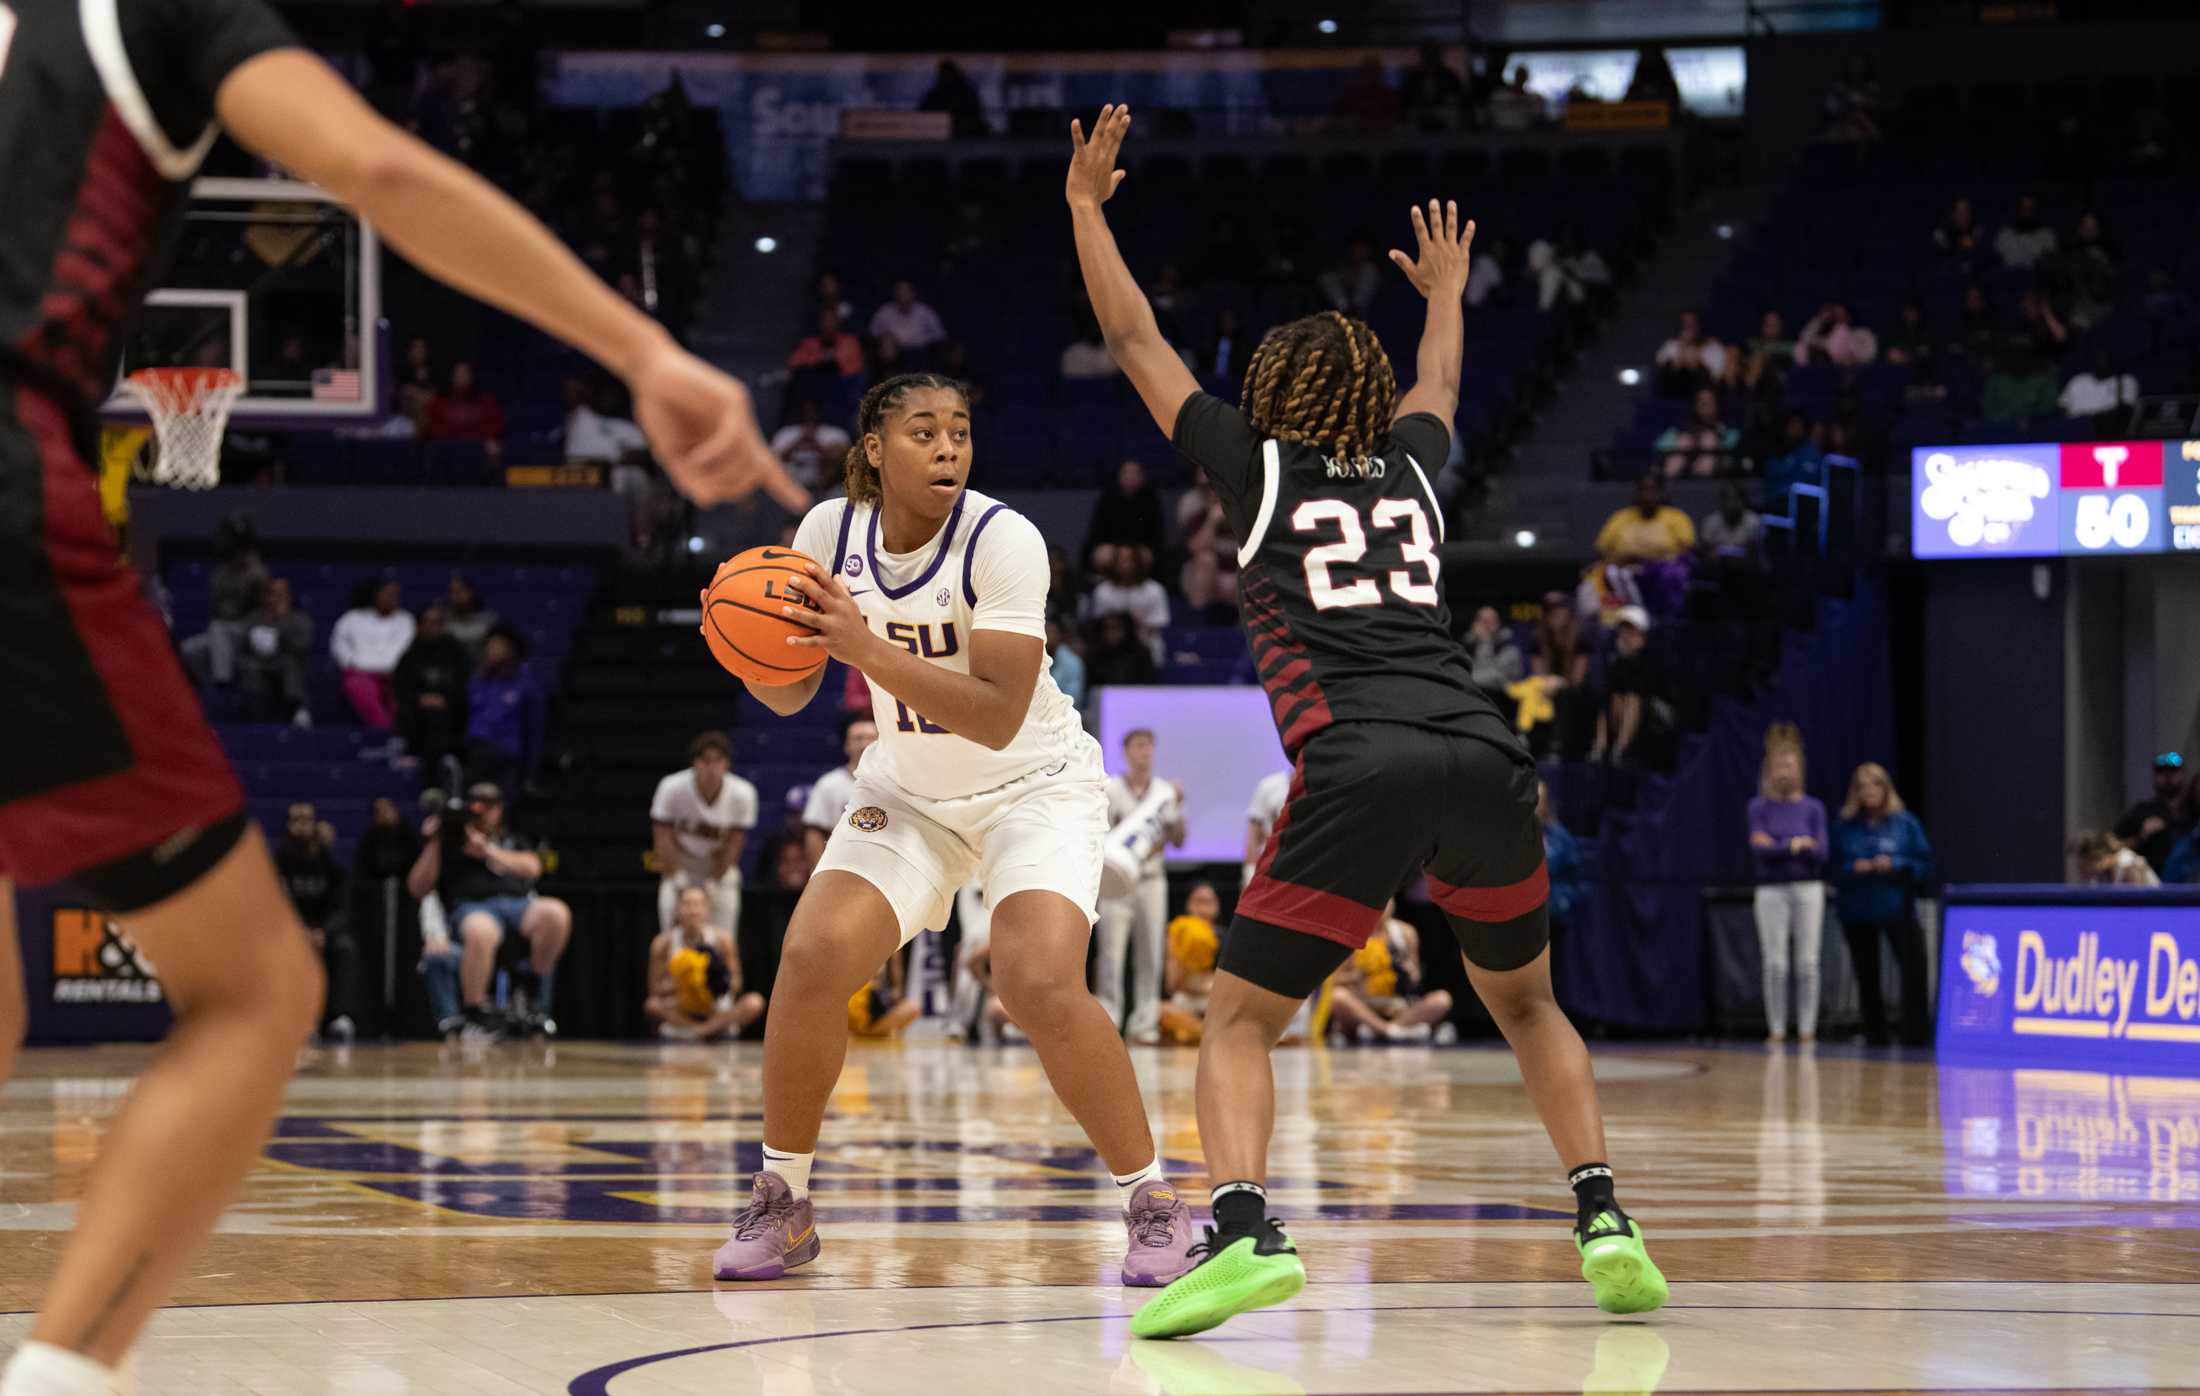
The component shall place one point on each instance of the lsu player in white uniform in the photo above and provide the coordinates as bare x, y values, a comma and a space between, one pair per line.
938, 595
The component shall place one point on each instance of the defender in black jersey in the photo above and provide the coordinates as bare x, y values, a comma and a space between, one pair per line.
1400, 765
109, 774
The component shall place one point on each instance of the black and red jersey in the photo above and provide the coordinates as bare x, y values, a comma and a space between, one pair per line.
106, 110
1339, 584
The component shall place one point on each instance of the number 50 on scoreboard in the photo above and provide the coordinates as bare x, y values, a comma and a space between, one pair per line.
2112, 497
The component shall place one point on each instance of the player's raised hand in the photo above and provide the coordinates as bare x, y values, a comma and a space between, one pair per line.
702, 428
1439, 265
1092, 172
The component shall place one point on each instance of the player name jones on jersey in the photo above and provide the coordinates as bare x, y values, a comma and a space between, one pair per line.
1357, 468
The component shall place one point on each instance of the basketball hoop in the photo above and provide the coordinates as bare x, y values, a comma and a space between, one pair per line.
189, 408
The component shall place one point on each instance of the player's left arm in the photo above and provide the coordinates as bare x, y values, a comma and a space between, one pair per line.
1126, 317
1438, 270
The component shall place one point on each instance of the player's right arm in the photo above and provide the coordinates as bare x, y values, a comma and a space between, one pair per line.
1438, 272
1126, 317
290, 107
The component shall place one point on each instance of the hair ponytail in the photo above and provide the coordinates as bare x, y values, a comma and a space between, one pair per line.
865, 485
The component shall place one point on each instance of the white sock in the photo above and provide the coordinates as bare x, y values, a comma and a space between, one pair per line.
1128, 1183
793, 1168
41, 1369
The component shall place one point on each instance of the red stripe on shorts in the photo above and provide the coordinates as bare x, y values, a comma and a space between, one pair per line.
1493, 904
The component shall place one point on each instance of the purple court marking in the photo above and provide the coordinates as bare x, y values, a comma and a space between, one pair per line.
597, 1381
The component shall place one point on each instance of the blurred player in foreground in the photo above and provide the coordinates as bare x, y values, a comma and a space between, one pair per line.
109, 774
1400, 763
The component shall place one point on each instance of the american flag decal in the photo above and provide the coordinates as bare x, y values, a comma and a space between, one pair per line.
336, 385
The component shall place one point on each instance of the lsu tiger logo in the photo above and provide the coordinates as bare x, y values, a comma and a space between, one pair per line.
869, 819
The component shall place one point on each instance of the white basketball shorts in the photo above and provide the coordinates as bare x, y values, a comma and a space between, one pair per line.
1043, 832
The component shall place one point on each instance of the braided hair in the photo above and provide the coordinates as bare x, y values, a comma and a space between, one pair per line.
864, 485
1322, 381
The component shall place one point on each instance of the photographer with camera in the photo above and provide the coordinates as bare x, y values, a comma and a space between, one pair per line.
485, 875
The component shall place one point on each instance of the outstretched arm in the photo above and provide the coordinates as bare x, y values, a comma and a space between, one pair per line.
290, 107
1126, 318
1439, 272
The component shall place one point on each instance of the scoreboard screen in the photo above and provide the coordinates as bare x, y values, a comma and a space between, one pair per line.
2055, 499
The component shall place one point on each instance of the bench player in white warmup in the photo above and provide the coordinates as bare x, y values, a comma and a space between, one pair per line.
938, 595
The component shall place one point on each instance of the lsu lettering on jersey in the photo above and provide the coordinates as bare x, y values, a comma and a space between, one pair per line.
986, 569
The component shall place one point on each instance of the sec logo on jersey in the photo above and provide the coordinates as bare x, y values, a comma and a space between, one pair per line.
870, 819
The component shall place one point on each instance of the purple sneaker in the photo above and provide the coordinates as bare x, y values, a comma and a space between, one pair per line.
1161, 1236
771, 1235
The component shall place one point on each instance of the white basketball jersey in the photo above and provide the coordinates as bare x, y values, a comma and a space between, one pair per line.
986, 569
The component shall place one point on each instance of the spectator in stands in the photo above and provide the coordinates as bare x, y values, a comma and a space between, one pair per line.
1569, 876
1649, 542
1801, 461
1653, 79
235, 586
1063, 592
1126, 516
879, 1009
2026, 239
464, 412
306, 862
271, 663
2091, 249
953, 92
504, 713
1832, 336
887, 358
1376, 994
594, 432
1976, 333
1128, 590
1487, 275
1222, 357
2156, 824
1912, 344
1086, 356
830, 353
915, 326
430, 686
1116, 655
486, 884
1852, 104
830, 297
1350, 286
812, 447
366, 644
1513, 107
2037, 331
388, 847
465, 616
1636, 703
1189, 976
2019, 389
695, 990
1702, 445
1368, 103
416, 383
1562, 270
1880, 860
1494, 655
832, 792
1788, 844
1732, 535
1430, 93
700, 818
2098, 392
1690, 360
2100, 859
1959, 238
1065, 663
1560, 666
1209, 579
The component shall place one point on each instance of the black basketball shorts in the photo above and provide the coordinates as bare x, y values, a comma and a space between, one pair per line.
1374, 805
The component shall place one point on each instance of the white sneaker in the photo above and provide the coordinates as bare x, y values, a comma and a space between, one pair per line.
1447, 1034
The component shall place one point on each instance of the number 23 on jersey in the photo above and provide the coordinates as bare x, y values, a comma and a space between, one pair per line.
1415, 582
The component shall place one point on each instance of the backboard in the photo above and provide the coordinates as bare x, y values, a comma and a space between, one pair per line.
279, 282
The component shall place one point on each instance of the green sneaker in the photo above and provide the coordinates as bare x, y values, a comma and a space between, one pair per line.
1234, 1274
1614, 1262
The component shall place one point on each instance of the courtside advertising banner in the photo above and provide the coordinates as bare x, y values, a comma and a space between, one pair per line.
2072, 983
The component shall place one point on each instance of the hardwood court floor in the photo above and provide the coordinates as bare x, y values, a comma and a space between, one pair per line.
541, 1220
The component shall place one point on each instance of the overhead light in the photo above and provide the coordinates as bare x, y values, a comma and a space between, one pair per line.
1724, 231
767, 244
1630, 376
1327, 26
695, 542
1525, 538
715, 31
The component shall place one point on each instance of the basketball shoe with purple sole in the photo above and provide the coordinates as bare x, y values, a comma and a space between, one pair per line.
1160, 1227
774, 1233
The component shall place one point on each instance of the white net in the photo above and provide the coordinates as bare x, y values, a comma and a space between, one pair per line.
189, 408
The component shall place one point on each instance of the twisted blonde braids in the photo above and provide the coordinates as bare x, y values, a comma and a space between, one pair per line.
1322, 381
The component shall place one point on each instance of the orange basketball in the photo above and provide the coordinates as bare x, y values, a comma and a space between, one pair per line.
742, 623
